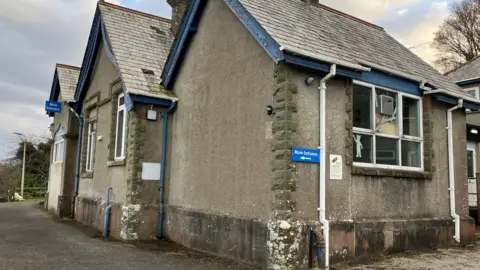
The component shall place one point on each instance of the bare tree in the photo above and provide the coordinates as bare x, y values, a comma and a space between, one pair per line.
458, 39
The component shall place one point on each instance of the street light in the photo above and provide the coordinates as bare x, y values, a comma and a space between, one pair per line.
24, 154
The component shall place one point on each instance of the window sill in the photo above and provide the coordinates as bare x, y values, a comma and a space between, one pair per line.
381, 172
116, 163
87, 175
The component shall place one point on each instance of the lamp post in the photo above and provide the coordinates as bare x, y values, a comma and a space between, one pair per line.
23, 166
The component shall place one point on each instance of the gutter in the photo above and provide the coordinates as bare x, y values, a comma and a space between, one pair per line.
162, 169
77, 169
108, 213
451, 165
322, 177
451, 169
324, 58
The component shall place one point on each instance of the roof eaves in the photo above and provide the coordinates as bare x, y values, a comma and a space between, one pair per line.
324, 58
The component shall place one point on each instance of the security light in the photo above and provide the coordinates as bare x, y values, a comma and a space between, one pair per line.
152, 115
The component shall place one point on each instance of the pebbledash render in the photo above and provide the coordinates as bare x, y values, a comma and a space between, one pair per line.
61, 177
468, 78
210, 106
249, 76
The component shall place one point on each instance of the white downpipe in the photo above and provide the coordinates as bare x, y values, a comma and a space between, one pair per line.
451, 170
321, 209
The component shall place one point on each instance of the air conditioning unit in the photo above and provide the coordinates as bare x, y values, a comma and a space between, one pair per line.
387, 105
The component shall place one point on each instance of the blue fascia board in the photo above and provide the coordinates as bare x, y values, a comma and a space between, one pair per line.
467, 82
256, 30
454, 101
150, 100
88, 63
390, 81
181, 43
55, 91
190, 26
320, 66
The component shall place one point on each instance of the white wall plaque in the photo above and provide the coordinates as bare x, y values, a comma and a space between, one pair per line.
336, 167
151, 171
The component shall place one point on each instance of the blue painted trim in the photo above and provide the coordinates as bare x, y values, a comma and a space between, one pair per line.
54, 91
390, 81
162, 169
88, 64
181, 43
321, 66
454, 101
108, 213
190, 26
257, 31
150, 100
462, 83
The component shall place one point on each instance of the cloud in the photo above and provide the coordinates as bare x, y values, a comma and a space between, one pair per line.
35, 35
412, 22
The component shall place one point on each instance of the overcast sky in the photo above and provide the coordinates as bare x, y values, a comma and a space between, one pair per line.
36, 34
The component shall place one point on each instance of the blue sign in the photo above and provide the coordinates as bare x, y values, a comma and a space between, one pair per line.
306, 155
53, 107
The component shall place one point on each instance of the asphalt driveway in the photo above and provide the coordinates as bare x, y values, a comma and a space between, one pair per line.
31, 239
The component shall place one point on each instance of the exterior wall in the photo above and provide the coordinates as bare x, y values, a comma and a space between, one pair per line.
369, 208
472, 119
62, 174
100, 102
218, 184
134, 201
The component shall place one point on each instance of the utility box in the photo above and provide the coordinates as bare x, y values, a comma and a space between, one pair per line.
387, 105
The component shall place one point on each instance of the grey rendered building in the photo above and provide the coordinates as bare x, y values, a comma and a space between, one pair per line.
123, 106
241, 87
468, 78
61, 176
257, 79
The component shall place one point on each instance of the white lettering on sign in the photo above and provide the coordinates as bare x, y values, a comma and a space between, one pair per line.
305, 153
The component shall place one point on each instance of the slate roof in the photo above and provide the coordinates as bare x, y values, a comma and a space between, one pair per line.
468, 71
325, 34
67, 78
140, 43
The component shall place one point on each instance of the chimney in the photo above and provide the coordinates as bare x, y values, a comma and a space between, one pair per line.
178, 11
312, 2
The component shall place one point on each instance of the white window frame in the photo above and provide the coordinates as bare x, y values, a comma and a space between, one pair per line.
400, 137
91, 137
476, 89
471, 146
56, 151
59, 145
120, 109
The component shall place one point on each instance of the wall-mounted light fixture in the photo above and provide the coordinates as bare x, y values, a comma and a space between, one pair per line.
309, 80
269, 110
474, 131
152, 115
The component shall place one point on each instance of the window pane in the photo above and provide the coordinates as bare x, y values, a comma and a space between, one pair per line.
119, 134
471, 168
411, 154
386, 112
362, 107
387, 150
362, 148
121, 101
411, 117
472, 92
